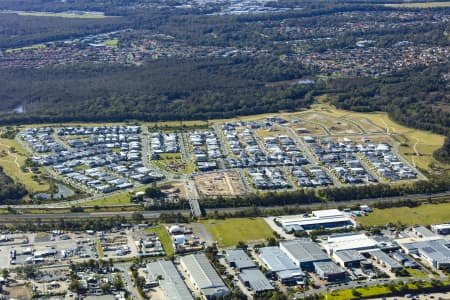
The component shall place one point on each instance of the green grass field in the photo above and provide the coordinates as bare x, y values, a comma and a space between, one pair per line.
420, 4
12, 159
365, 292
111, 43
425, 214
229, 232
116, 199
416, 273
164, 237
36, 46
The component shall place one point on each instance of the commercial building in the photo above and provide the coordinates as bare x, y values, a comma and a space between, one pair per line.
303, 252
330, 218
386, 260
255, 280
238, 259
435, 252
348, 258
350, 241
248, 274
423, 232
169, 280
203, 276
328, 270
279, 264
441, 228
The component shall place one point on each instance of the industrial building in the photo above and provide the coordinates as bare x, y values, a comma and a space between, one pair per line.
348, 258
423, 232
248, 274
441, 228
255, 280
330, 218
279, 264
303, 252
203, 276
168, 279
238, 259
435, 252
386, 260
328, 270
350, 241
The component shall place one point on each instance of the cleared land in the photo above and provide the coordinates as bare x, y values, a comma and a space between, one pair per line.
164, 237
425, 214
424, 142
219, 184
231, 231
174, 189
420, 4
116, 199
176, 166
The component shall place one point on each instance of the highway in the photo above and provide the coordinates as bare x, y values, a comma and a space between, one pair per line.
8, 218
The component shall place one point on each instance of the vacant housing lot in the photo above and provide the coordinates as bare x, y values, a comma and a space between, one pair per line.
425, 214
231, 231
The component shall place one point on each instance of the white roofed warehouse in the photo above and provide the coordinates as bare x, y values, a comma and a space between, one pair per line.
329, 218
281, 265
203, 276
304, 252
169, 280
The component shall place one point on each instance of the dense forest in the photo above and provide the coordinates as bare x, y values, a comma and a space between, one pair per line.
412, 97
162, 90
18, 31
9, 191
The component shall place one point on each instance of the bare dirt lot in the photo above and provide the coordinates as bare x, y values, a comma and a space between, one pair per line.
174, 189
17, 292
219, 184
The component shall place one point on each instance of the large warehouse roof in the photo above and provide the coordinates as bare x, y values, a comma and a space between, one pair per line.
386, 259
327, 267
319, 217
436, 250
170, 280
350, 241
349, 256
203, 274
327, 213
303, 250
276, 260
256, 280
239, 259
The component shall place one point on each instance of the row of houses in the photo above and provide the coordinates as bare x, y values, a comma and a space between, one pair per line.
206, 149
